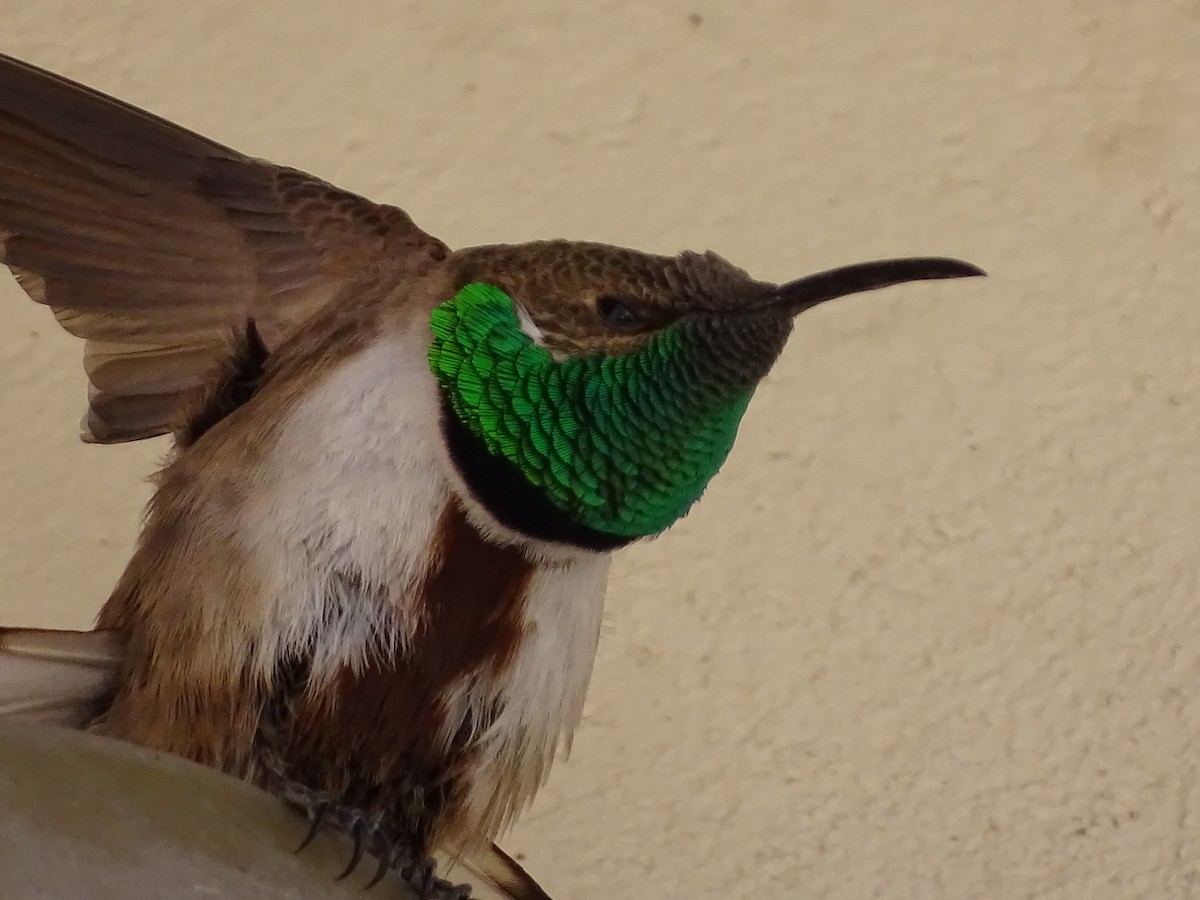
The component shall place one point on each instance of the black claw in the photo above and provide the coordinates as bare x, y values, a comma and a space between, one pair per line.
418, 877
422, 878
322, 809
366, 830
359, 833
383, 850
431, 884
450, 891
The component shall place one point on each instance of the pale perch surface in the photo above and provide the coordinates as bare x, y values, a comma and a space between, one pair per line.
87, 818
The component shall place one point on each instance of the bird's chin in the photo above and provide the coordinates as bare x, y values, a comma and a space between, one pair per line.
516, 505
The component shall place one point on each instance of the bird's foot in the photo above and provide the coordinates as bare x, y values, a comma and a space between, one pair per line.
370, 831
423, 879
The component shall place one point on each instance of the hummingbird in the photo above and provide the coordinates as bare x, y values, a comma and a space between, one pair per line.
371, 577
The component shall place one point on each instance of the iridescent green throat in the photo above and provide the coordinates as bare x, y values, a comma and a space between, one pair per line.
622, 445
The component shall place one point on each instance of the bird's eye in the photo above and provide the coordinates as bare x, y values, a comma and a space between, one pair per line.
618, 312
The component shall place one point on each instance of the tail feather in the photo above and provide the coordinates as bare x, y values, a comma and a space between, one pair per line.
492, 874
55, 677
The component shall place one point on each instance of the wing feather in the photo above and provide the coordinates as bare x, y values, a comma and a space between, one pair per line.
153, 243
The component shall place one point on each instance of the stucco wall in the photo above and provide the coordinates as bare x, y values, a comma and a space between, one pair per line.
934, 632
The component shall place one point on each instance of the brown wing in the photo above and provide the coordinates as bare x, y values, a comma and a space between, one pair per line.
152, 243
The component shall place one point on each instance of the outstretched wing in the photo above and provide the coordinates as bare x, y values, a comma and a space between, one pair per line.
152, 243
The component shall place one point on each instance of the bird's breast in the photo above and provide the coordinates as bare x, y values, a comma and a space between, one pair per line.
429, 652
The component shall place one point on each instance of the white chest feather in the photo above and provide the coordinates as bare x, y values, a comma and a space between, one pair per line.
354, 493
356, 486
542, 693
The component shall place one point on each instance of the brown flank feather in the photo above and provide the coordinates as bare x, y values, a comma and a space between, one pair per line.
472, 600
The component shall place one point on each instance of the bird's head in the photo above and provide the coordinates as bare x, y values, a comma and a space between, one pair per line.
591, 392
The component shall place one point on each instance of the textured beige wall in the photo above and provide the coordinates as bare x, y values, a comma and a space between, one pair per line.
935, 632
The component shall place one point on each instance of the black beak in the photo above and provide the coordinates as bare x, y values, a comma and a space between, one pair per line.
812, 290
